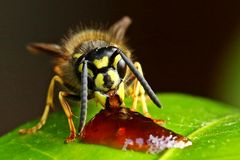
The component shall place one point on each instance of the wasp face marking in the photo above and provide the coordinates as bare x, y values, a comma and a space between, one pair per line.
113, 78
107, 80
99, 82
100, 63
106, 69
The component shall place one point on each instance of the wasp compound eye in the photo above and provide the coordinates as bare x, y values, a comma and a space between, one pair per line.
121, 68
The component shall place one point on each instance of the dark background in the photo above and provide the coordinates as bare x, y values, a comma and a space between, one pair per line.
181, 45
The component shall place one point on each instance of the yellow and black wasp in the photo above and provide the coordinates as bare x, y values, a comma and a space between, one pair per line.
94, 64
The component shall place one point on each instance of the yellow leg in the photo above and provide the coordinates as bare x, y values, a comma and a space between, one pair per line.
143, 100
49, 103
68, 112
135, 94
139, 92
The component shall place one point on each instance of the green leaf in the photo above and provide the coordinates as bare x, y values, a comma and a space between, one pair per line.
213, 127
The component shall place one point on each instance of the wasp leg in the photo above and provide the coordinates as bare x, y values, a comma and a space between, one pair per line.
137, 91
69, 114
49, 104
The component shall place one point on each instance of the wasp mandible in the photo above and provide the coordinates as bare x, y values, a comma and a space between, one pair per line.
94, 64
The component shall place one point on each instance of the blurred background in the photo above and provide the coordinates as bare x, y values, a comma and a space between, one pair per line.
184, 46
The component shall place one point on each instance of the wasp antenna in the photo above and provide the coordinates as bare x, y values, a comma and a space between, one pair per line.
83, 95
140, 78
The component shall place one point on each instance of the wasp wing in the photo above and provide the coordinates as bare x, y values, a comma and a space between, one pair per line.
51, 49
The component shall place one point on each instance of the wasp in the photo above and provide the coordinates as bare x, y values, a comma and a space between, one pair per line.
94, 64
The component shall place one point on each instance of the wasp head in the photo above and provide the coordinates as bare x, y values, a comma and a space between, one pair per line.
106, 68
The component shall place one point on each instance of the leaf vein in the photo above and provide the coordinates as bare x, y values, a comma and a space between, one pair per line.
169, 152
37, 150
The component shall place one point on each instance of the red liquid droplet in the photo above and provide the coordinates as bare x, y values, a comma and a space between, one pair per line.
122, 128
